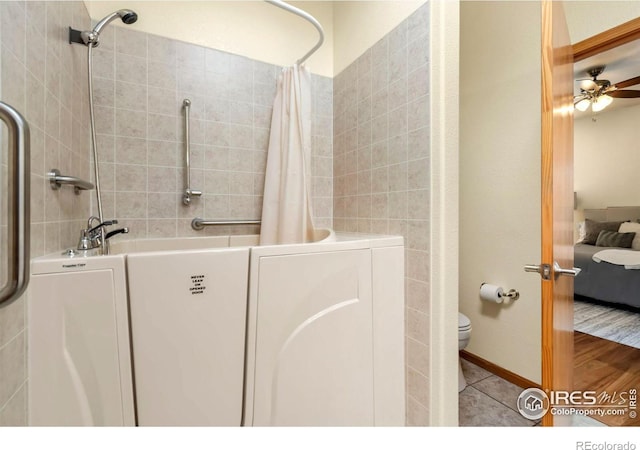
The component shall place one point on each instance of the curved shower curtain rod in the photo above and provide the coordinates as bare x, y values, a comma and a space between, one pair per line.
305, 15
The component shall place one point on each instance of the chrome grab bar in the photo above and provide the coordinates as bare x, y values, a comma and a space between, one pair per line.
56, 181
188, 192
19, 219
198, 223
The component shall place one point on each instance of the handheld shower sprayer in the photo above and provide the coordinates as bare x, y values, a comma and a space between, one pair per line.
93, 37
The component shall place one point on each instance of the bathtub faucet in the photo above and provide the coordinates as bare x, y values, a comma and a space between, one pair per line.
96, 236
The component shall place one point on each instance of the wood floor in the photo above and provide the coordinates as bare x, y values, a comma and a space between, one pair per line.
606, 366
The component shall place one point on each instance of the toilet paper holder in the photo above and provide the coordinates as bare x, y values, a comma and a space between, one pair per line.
512, 294
497, 294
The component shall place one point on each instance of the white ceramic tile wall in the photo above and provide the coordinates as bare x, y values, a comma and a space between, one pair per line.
44, 78
381, 171
142, 82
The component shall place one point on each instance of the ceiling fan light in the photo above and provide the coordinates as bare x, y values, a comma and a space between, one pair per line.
583, 104
588, 85
601, 103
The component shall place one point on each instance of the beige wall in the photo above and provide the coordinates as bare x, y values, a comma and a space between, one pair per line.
254, 29
607, 159
359, 25
264, 32
500, 179
586, 18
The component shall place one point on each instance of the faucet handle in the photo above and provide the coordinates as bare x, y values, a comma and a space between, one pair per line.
106, 223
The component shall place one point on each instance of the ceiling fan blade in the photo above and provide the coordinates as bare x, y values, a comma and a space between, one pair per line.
627, 83
588, 85
624, 94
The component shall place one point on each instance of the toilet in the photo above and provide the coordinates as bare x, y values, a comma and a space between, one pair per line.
464, 334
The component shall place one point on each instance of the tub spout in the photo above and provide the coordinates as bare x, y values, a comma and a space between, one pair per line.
114, 232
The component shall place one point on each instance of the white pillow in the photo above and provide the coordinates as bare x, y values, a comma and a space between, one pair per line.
631, 227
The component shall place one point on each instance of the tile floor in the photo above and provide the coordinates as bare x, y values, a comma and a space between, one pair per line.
490, 401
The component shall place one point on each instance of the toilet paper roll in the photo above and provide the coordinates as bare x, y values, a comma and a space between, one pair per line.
491, 293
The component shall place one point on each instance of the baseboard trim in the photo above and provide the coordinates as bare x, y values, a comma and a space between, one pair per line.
499, 371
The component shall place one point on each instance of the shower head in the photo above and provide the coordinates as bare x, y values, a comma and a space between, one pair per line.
93, 36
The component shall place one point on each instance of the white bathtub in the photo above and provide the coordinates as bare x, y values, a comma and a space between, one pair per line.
220, 331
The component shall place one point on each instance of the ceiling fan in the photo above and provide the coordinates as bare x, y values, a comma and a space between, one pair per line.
600, 93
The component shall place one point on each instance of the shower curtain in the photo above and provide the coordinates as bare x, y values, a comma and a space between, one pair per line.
286, 206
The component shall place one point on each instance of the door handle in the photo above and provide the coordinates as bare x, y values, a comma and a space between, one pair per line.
557, 270
543, 269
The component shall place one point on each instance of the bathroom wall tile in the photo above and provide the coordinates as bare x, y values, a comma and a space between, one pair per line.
106, 147
162, 101
13, 80
131, 42
418, 143
417, 414
417, 53
418, 295
52, 117
417, 386
131, 123
137, 228
162, 153
216, 182
130, 96
131, 178
162, 128
12, 366
107, 176
34, 110
163, 179
104, 119
189, 56
162, 75
397, 149
242, 182
398, 93
418, 174
241, 207
162, 205
162, 228
130, 150
12, 16
216, 206
131, 205
161, 49
417, 325
14, 412
104, 62
132, 69
416, 356
418, 24
12, 322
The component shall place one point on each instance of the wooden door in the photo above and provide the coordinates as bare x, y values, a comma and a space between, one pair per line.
557, 201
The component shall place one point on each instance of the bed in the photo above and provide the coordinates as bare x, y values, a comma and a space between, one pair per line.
604, 281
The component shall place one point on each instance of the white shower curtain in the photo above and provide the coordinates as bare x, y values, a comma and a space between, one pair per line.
286, 207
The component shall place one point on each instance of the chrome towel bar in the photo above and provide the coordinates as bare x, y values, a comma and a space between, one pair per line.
199, 224
56, 180
18, 205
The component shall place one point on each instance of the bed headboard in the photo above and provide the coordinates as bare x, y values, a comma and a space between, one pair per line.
613, 214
